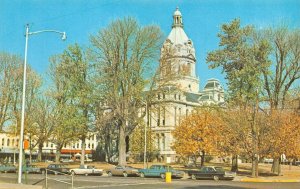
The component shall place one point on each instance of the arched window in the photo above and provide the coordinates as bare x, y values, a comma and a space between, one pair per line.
8, 141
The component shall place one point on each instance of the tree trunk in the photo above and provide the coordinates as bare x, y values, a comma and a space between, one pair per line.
202, 158
57, 154
254, 166
82, 157
234, 165
40, 152
276, 168
122, 145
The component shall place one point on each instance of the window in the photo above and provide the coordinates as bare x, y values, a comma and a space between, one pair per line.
51, 145
3, 142
77, 145
163, 141
175, 114
179, 115
93, 146
158, 141
8, 141
13, 142
175, 96
17, 142
158, 116
178, 97
164, 116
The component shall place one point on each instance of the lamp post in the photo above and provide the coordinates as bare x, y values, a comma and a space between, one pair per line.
145, 130
63, 35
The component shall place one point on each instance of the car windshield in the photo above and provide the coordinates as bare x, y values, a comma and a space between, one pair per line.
219, 168
129, 167
90, 167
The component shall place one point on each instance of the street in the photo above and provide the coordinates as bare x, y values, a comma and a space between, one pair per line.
92, 182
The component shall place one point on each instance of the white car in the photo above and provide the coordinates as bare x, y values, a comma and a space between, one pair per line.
86, 170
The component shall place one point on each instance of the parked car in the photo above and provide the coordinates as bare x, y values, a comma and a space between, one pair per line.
211, 172
86, 170
160, 171
55, 169
31, 169
7, 168
122, 171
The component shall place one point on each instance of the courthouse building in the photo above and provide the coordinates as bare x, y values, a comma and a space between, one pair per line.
178, 68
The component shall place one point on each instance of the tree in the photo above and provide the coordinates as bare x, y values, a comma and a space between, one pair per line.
66, 114
10, 69
198, 134
243, 60
137, 138
42, 128
122, 53
80, 95
280, 77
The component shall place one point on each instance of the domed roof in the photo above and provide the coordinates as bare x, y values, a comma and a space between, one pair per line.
213, 84
177, 34
177, 12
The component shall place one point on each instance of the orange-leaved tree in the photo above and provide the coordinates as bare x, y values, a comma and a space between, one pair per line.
286, 135
198, 134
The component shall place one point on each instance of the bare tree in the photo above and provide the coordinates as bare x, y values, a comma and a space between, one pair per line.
123, 53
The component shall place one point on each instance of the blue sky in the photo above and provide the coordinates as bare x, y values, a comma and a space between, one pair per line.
82, 18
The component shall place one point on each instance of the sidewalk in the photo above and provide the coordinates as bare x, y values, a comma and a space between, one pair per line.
18, 186
266, 179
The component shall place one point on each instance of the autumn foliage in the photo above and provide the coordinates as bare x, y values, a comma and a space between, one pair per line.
198, 134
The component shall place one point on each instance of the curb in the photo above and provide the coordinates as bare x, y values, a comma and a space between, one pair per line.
267, 180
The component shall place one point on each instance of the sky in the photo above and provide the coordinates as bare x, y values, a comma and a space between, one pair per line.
82, 18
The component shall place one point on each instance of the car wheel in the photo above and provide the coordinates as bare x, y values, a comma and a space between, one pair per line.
216, 178
142, 175
125, 174
55, 173
193, 177
109, 173
163, 176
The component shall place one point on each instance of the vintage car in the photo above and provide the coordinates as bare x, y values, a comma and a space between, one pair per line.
8, 168
30, 169
122, 171
86, 170
211, 172
55, 169
160, 171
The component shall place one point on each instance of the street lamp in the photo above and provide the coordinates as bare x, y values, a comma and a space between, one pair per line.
145, 133
63, 37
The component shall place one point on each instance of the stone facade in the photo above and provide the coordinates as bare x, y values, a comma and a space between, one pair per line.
182, 93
